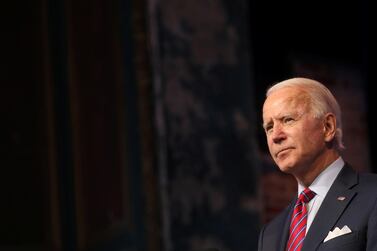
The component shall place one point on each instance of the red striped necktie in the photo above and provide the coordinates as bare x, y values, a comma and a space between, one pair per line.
298, 223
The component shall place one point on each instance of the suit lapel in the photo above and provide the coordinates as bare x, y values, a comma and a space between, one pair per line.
331, 208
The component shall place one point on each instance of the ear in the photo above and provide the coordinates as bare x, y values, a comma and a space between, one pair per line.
329, 127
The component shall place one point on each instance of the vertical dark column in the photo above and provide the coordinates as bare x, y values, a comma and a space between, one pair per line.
25, 212
368, 52
58, 45
133, 127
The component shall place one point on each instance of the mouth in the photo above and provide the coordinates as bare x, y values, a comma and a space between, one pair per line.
282, 151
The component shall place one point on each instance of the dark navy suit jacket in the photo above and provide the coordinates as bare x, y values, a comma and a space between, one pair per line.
358, 211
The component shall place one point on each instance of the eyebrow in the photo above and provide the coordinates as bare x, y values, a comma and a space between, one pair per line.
280, 117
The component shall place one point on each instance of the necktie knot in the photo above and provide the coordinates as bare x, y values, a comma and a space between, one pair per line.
306, 195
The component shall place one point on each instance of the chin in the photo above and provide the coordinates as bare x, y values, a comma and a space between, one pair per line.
286, 167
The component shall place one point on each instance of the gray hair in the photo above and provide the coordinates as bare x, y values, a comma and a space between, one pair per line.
322, 101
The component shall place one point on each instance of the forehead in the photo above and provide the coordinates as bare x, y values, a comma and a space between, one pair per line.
285, 100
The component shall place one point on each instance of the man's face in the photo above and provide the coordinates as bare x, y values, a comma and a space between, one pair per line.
295, 137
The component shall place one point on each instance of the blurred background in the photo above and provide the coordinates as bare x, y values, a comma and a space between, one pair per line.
135, 125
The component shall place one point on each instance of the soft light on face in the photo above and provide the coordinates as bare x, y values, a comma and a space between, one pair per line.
295, 137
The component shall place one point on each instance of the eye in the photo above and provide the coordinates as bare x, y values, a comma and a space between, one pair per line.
287, 120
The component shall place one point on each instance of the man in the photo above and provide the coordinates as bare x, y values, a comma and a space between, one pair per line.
336, 208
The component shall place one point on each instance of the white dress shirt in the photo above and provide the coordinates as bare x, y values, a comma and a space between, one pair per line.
321, 185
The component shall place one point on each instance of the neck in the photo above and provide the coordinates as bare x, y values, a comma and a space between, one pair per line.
311, 173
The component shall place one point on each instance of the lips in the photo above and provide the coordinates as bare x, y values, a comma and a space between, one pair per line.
282, 151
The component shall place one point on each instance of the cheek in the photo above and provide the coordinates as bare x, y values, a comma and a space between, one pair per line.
312, 138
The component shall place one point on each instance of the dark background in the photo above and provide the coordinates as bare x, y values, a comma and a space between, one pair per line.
93, 151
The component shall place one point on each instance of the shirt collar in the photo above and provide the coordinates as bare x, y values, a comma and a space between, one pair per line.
324, 180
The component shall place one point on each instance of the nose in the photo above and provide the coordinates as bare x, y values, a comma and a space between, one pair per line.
278, 134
